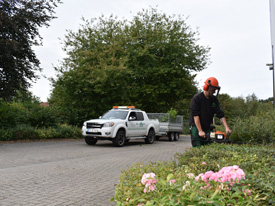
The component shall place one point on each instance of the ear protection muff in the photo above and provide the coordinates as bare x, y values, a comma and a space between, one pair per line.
207, 84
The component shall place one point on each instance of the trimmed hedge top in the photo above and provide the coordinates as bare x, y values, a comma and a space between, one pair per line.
186, 181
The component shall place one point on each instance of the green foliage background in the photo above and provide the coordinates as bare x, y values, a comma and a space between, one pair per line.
250, 119
25, 119
20, 21
146, 62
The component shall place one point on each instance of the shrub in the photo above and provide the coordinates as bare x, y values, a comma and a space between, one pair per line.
255, 129
6, 134
27, 132
7, 114
42, 116
61, 132
21, 113
175, 183
24, 132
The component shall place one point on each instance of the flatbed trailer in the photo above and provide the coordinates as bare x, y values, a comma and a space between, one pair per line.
168, 126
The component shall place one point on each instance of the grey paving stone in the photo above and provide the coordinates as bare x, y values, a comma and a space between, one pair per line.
71, 172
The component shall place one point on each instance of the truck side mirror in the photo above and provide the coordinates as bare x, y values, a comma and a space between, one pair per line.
100, 117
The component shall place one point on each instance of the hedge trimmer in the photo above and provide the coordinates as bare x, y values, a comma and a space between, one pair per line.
218, 136
221, 137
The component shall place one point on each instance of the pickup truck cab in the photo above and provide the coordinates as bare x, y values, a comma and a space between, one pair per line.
121, 124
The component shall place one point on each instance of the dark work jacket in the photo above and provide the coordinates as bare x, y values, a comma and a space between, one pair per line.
205, 109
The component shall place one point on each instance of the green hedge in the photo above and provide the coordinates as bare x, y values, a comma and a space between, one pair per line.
18, 113
258, 163
27, 132
255, 129
28, 120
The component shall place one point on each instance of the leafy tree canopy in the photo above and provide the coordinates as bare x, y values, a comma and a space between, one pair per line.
19, 24
146, 62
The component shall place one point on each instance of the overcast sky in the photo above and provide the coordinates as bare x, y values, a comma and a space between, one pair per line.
238, 32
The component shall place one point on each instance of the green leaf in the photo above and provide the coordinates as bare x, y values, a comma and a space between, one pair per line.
170, 177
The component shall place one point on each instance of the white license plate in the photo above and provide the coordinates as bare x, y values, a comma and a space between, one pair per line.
92, 130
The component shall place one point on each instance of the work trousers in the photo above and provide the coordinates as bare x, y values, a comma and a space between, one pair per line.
196, 140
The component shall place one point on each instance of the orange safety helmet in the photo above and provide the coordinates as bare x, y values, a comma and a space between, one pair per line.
211, 81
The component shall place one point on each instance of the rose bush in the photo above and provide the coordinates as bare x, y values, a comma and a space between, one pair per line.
249, 181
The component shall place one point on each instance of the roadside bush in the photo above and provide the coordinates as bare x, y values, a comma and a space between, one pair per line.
23, 132
27, 113
6, 134
61, 132
174, 183
8, 115
40, 117
35, 115
27, 132
255, 129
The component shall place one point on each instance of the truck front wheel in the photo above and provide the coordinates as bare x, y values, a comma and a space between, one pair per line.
120, 139
150, 137
90, 140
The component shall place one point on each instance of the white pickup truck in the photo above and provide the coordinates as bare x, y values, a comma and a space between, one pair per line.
121, 124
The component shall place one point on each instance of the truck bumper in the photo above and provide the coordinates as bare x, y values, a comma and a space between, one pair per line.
104, 132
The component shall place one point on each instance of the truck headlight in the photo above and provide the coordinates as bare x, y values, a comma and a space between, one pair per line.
108, 124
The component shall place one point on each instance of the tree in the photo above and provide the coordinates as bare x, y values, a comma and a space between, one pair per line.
19, 24
146, 62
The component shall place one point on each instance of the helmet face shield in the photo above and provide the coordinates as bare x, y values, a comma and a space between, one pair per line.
214, 91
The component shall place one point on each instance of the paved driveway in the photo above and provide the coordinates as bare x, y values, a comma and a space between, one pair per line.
71, 172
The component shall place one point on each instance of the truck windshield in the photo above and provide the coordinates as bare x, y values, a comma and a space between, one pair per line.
115, 115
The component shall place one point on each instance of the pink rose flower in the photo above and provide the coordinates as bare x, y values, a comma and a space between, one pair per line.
248, 192
148, 177
231, 174
191, 175
149, 180
173, 181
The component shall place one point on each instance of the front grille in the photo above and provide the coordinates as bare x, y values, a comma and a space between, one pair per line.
91, 125
95, 133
